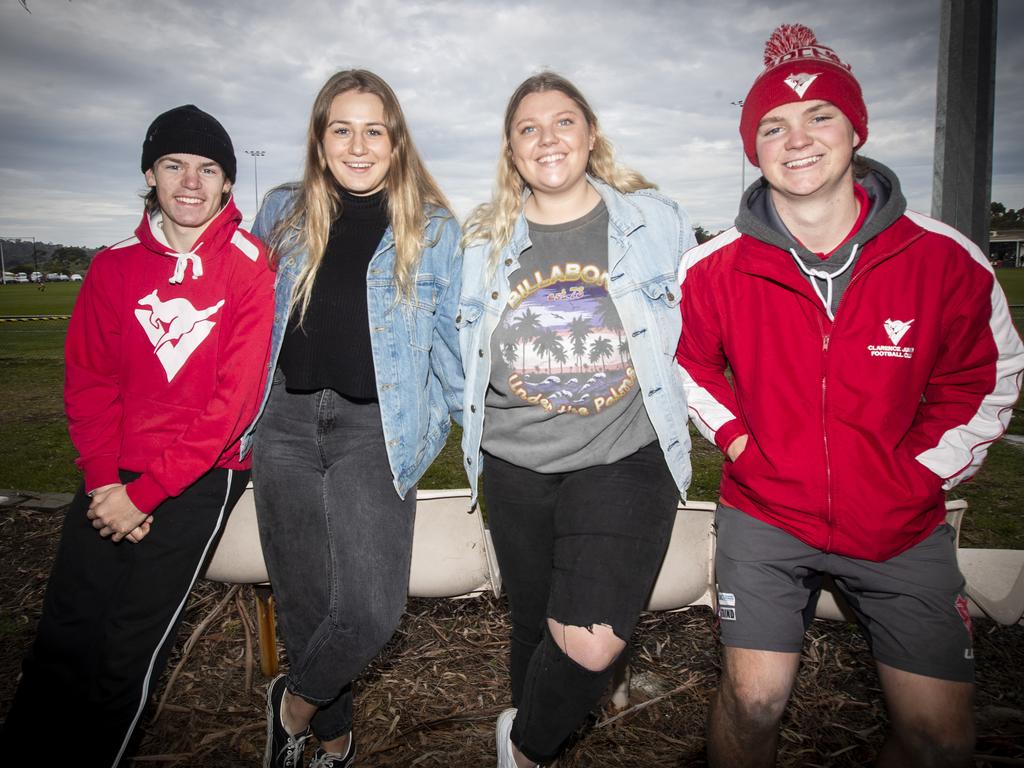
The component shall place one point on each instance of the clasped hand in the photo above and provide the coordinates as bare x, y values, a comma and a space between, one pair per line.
113, 514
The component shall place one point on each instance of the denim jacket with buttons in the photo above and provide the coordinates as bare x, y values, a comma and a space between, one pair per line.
415, 345
647, 235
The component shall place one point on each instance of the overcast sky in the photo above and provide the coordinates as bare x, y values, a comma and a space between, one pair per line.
83, 79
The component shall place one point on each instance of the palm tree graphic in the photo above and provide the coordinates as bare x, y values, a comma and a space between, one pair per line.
524, 329
601, 349
559, 356
509, 353
545, 343
610, 319
579, 329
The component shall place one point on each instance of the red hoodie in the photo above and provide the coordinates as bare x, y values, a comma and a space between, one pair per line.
856, 426
164, 357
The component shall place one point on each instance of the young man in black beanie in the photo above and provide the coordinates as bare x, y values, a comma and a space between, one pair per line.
160, 350
873, 361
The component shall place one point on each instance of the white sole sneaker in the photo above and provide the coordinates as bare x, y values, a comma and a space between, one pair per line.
503, 739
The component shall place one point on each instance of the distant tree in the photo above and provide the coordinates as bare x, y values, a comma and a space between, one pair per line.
38, 252
1001, 217
68, 260
701, 234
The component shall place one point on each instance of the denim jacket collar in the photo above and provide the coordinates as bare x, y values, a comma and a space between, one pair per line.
624, 218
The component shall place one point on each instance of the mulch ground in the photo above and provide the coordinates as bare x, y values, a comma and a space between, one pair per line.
432, 696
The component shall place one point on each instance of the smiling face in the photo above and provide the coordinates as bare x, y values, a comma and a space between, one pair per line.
356, 145
805, 149
550, 142
190, 190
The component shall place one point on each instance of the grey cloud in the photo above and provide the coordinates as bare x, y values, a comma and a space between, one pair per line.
82, 81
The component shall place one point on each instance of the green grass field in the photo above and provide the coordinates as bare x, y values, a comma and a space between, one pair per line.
36, 454
28, 299
1012, 281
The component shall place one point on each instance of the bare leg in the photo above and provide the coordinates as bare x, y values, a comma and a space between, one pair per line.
743, 726
932, 722
594, 648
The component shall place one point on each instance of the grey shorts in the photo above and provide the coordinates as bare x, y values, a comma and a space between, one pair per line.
912, 607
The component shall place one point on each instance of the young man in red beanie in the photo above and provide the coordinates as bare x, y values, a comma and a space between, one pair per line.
160, 353
873, 360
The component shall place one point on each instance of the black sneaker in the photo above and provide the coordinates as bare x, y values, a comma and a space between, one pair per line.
283, 749
322, 759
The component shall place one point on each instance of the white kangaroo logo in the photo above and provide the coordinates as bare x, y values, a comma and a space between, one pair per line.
800, 83
178, 315
897, 329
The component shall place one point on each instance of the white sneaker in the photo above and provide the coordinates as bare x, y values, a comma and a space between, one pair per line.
503, 739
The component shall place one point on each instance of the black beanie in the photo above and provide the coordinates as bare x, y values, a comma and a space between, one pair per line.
189, 130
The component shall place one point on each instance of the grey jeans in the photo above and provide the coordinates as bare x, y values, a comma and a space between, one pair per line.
337, 540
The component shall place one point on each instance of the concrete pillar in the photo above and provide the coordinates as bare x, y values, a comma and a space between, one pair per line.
962, 180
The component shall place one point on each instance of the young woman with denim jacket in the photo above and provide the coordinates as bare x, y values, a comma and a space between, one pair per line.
568, 323
365, 373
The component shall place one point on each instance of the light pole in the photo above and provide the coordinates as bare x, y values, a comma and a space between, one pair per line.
743, 156
256, 154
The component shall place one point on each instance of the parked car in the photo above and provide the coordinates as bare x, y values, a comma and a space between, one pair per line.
21, 278
36, 277
75, 277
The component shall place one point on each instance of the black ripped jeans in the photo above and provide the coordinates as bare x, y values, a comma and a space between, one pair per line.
582, 548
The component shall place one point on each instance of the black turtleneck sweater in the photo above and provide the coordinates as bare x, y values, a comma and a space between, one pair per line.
331, 350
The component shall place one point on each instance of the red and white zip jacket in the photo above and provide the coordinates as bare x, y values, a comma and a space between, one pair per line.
164, 357
858, 426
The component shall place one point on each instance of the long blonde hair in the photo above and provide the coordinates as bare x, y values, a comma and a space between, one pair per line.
410, 188
495, 221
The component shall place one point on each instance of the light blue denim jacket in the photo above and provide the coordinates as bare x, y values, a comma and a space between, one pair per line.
415, 349
647, 236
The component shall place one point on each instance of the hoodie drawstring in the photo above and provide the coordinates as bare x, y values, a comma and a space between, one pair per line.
823, 275
182, 264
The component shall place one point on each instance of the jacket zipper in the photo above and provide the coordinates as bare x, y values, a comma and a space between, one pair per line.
825, 339
824, 433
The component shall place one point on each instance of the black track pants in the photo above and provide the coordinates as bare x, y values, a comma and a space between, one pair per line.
109, 621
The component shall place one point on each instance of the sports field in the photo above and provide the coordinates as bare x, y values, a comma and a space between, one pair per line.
35, 452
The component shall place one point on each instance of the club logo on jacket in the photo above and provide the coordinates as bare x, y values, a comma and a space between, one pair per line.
895, 330
800, 82
175, 328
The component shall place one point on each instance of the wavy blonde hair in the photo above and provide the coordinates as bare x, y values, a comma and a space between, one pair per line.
409, 185
495, 221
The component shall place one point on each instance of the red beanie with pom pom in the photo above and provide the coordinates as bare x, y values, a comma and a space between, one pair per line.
799, 68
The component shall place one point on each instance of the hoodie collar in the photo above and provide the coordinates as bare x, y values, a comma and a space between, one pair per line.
759, 219
778, 256
208, 245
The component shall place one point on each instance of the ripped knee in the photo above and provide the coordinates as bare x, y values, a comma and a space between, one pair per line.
594, 647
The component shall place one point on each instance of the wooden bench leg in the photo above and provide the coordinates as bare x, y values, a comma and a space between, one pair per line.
267, 624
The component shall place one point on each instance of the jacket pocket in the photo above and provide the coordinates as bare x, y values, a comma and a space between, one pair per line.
919, 479
421, 316
662, 290
660, 300
468, 315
